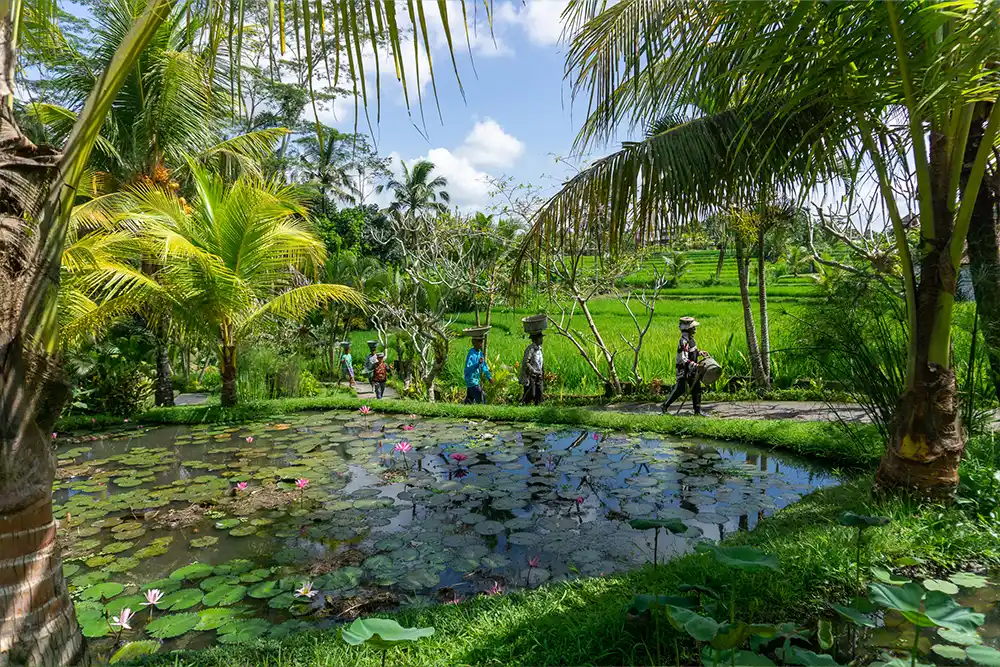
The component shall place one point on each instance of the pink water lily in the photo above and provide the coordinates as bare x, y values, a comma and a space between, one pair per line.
579, 500
456, 600
497, 589
306, 591
126, 420
459, 458
535, 562
408, 427
249, 439
242, 486
54, 435
302, 483
365, 410
597, 436
153, 596
411, 417
403, 447
122, 619
460, 473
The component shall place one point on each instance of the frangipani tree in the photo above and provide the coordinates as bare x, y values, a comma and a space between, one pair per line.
235, 256
790, 93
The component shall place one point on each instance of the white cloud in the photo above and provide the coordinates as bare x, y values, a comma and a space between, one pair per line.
487, 145
541, 20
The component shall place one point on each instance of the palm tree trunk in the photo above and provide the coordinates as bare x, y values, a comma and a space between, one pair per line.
984, 257
37, 622
927, 440
227, 367
164, 377
722, 260
765, 327
743, 272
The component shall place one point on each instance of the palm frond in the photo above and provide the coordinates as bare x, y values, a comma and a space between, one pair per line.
297, 302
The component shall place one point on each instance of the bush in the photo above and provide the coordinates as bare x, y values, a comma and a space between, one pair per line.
308, 384
211, 379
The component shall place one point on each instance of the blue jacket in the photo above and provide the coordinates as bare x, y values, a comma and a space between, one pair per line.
475, 365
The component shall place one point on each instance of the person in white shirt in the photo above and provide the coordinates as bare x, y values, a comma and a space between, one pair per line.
531, 371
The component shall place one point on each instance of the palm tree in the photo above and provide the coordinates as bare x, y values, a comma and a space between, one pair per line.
417, 194
788, 95
174, 104
327, 166
38, 188
235, 257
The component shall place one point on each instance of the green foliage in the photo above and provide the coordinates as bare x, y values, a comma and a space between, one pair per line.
381, 633
133, 650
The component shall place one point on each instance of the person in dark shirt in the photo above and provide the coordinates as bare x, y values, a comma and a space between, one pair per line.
687, 359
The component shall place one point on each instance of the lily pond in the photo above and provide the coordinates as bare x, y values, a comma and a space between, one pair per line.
265, 529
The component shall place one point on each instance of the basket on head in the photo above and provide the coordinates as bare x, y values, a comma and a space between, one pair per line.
476, 333
710, 370
688, 323
345, 344
535, 323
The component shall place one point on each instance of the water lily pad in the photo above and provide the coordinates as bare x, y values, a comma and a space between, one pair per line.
152, 551
968, 580
949, 652
69, 569
489, 528
202, 542
940, 585
291, 627
95, 627
117, 547
182, 599
172, 625
238, 566
224, 595
133, 650
377, 563
416, 580
98, 561
255, 576
241, 631
264, 590
211, 583
210, 619
133, 602
983, 655
381, 633
133, 534
122, 565
103, 591
345, 577
193, 572
282, 601
163, 585
243, 531
524, 539
127, 482
963, 637
227, 524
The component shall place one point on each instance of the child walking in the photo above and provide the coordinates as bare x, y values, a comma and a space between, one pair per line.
380, 373
347, 363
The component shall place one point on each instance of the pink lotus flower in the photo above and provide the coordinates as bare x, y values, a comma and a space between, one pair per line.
456, 600
408, 427
411, 417
306, 591
597, 436
497, 589
242, 486
403, 447
121, 620
54, 435
302, 483
458, 458
365, 410
153, 596
126, 420
249, 439
579, 500
461, 473
535, 562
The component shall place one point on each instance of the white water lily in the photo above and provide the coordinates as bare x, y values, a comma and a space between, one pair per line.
307, 590
122, 619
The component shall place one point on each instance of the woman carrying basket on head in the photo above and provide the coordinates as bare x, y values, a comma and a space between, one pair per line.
688, 373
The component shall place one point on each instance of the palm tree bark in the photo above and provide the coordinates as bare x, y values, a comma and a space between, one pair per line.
164, 394
743, 272
765, 327
227, 368
927, 439
721, 263
984, 255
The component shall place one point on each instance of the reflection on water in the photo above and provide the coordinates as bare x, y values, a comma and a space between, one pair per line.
463, 508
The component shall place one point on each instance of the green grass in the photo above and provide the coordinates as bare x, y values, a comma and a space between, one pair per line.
583, 622
821, 440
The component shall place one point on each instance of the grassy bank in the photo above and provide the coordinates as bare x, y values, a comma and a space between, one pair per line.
583, 622
820, 440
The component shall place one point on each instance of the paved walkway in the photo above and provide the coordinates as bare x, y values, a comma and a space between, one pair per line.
365, 393
798, 410
190, 399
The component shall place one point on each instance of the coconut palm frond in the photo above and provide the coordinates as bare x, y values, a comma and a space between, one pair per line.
297, 302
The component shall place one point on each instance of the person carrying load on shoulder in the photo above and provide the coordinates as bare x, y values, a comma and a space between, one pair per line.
347, 363
380, 373
370, 361
476, 369
688, 372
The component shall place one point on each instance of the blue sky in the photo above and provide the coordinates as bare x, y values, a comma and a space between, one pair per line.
516, 116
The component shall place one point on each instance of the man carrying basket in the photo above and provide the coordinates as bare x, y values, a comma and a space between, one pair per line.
688, 371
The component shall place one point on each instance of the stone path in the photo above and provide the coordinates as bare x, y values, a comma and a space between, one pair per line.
190, 399
798, 410
365, 393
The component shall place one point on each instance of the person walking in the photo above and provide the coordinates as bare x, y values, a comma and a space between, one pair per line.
347, 363
476, 369
531, 371
370, 361
688, 356
380, 373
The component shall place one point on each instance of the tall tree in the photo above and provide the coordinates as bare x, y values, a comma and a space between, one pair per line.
38, 186
876, 78
417, 193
